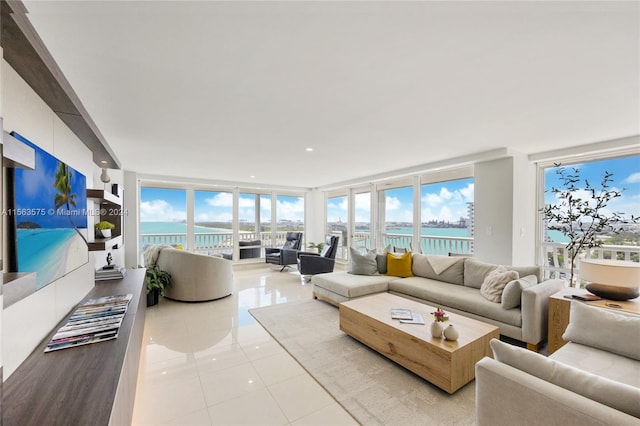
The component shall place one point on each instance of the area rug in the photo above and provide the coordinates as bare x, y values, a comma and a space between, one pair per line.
373, 389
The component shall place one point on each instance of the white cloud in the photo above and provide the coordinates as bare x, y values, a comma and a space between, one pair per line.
287, 210
467, 193
627, 205
160, 210
392, 203
632, 178
221, 199
363, 201
453, 204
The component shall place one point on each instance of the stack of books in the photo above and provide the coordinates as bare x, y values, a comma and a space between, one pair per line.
95, 320
406, 316
112, 272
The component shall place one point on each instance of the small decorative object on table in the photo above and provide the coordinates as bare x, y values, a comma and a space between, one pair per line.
439, 316
451, 333
611, 279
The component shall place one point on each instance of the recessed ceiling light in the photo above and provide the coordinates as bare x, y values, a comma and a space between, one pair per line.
308, 149
103, 161
252, 176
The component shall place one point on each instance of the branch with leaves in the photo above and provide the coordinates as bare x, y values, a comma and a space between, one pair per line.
580, 213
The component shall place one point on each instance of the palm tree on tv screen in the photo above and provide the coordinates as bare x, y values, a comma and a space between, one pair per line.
65, 197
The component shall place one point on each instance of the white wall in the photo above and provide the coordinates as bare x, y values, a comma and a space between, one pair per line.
505, 211
26, 323
314, 212
523, 246
493, 198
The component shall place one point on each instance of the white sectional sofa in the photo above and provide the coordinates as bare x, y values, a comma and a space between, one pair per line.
592, 380
457, 289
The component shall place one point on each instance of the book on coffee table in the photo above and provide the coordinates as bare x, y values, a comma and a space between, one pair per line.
415, 319
586, 297
401, 314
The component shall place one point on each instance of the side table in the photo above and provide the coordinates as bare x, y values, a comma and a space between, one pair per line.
559, 309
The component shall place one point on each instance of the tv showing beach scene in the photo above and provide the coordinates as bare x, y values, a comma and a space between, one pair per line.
49, 212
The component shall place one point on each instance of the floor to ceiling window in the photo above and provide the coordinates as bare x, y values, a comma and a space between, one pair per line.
213, 222
447, 217
395, 204
254, 224
289, 216
362, 237
625, 178
337, 222
163, 216
233, 222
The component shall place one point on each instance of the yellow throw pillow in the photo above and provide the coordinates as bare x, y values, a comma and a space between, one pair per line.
178, 246
399, 265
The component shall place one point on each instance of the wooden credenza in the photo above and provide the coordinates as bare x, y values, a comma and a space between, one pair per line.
560, 306
87, 385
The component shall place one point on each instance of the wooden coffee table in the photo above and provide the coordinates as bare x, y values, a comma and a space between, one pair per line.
448, 365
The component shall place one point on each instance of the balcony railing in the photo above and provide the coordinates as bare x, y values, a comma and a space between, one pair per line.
214, 242
555, 257
429, 244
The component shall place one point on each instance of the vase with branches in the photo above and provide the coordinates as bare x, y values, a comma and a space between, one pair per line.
581, 212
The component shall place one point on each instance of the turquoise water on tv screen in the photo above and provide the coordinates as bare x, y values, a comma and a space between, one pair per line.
44, 251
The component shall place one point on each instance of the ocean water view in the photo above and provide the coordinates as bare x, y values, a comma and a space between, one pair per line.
147, 228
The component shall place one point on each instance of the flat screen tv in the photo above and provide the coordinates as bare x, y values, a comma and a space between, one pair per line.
47, 211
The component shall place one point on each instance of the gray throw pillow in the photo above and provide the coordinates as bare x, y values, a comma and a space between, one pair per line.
618, 395
512, 293
360, 264
604, 329
381, 260
495, 281
476, 271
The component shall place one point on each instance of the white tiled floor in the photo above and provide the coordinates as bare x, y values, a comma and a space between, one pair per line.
213, 364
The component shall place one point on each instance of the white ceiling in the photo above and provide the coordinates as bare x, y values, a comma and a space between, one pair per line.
229, 90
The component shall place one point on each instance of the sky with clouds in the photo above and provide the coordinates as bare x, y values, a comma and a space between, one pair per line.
170, 205
445, 201
626, 178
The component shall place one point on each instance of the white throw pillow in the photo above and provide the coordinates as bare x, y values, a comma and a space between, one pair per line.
618, 395
360, 264
512, 293
494, 283
604, 329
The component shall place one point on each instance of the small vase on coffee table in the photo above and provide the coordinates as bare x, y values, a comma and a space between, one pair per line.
450, 333
436, 329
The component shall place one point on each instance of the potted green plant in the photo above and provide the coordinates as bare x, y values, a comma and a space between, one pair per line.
317, 247
104, 228
156, 280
